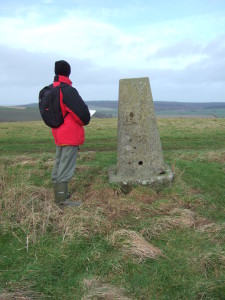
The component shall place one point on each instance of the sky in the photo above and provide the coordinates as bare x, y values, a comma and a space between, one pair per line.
178, 44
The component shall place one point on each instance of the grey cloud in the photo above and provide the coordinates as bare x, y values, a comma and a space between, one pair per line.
183, 48
216, 47
206, 72
186, 48
24, 73
22, 68
188, 93
210, 69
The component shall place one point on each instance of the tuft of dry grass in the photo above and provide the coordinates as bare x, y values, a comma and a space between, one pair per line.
27, 160
97, 290
82, 221
32, 209
134, 244
182, 217
143, 197
22, 160
210, 156
19, 294
112, 204
87, 155
213, 260
211, 227
214, 232
2, 180
175, 219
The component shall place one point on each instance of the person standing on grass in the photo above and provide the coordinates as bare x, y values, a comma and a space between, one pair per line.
69, 135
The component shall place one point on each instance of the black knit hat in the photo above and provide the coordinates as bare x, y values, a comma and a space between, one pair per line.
62, 68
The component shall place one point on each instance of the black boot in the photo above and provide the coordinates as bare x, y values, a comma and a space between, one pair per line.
62, 196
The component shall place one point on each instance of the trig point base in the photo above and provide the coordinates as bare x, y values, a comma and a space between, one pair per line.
139, 152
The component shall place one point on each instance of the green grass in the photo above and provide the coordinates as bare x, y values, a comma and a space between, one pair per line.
50, 254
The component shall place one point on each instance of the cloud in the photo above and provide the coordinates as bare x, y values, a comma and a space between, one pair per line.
208, 63
190, 47
72, 35
25, 73
180, 56
181, 49
79, 34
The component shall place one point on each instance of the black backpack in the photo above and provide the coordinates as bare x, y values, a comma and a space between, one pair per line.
49, 105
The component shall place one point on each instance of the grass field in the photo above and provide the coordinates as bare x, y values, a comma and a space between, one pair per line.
142, 245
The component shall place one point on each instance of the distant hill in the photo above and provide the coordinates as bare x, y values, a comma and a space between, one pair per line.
210, 109
109, 109
159, 105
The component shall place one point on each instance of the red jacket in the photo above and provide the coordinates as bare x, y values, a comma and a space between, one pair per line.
75, 112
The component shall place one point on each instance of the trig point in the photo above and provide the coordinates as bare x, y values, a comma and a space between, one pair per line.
139, 152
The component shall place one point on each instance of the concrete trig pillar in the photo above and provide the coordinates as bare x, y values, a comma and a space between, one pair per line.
139, 152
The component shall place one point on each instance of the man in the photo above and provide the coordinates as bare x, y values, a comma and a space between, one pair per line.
69, 135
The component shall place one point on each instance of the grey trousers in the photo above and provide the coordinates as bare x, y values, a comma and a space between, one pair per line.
65, 163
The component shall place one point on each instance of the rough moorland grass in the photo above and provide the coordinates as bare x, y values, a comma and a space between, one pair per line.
142, 245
